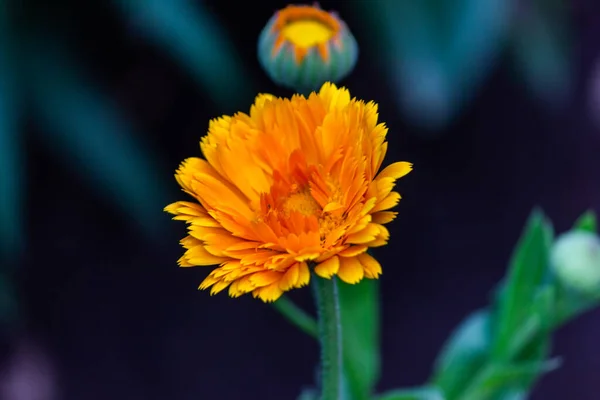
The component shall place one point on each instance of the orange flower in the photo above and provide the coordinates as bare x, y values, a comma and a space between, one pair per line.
293, 186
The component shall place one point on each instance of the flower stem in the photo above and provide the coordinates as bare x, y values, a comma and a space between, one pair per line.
330, 336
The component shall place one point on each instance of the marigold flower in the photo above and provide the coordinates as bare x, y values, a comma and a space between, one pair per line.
293, 186
303, 47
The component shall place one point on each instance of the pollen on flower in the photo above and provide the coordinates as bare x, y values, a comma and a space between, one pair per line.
301, 202
307, 33
295, 183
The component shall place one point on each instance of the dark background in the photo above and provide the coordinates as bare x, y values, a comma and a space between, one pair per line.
104, 312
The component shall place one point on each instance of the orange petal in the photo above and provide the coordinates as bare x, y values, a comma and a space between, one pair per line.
289, 279
218, 287
351, 271
365, 236
371, 265
390, 201
303, 275
328, 268
199, 256
208, 282
384, 217
269, 293
353, 251
361, 224
396, 170
265, 278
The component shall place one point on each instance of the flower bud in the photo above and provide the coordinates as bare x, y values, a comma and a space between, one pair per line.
302, 47
575, 259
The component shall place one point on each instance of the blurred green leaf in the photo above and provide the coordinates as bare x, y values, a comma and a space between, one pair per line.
191, 34
541, 46
11, 152
530, 339
495, 378
437, 53
587, 222
527, 269
511, 394
571, 304
425, 393
359, 310
82, 126
297, 316
463, 355
309, 394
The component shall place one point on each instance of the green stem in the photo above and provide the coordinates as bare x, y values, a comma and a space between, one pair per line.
297, 316
330, 336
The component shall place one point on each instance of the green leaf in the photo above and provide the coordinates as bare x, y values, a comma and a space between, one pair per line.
359, 309
527, 270
297, 316
190, 33
94, 139
511, 394
587, 222
12, 152
309, 394
534, 346
531, 338
496, 378
425, 393
543, 50
571, 304
463, 355
439, 53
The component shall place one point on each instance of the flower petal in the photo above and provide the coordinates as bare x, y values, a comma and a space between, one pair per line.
371, 265
269, 293
199, 256
351, 271
396, 170
328, 268
390, 201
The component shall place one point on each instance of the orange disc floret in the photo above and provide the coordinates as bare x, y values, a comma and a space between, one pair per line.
292, 187
305, 27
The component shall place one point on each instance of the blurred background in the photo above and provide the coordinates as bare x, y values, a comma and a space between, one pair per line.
496, 102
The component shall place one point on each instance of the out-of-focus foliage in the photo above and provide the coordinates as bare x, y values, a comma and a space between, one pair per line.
101, 147
359, 309
540, 43
11, 151
437, 53
499, 353
84, 128
193, 36
425, 393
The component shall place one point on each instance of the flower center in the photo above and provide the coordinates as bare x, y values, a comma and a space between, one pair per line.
307, 32
301, 202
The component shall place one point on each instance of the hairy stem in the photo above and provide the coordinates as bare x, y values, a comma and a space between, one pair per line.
330, 337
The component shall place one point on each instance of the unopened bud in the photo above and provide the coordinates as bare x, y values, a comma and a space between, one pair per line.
302, 47
575, 259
